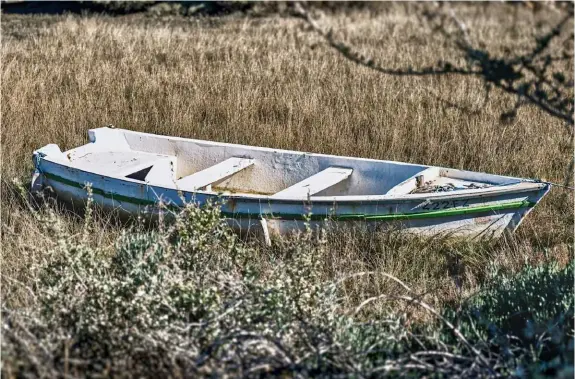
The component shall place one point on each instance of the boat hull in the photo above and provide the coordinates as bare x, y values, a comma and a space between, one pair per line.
474, 215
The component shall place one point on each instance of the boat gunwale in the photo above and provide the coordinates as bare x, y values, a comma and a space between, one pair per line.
264, 148
517, 187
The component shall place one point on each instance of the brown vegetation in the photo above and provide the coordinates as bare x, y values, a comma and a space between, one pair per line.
268, 82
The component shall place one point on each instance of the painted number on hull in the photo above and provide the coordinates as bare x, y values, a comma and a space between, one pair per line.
447, 204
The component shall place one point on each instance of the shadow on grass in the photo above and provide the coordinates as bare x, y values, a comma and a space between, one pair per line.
120, 8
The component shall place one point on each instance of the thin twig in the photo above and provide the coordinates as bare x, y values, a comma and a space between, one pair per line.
430, 309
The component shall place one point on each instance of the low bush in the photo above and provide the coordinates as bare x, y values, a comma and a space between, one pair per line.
532, 311
189, 298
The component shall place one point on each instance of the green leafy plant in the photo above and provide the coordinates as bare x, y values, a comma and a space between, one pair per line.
188, 298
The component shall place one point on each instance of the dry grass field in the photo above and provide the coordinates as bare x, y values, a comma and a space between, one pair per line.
270, 82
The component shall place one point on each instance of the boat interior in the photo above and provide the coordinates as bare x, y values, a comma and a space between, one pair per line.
194, 165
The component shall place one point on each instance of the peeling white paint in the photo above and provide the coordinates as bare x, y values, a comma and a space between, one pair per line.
115, 159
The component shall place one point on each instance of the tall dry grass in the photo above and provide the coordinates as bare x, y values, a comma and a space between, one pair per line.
269, 82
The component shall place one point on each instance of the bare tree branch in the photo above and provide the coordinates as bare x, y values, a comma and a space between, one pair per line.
356, 57
525, 76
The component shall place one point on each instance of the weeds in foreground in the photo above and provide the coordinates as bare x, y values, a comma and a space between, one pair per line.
257, 82
190, 298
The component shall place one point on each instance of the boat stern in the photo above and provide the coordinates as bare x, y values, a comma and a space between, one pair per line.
51, 150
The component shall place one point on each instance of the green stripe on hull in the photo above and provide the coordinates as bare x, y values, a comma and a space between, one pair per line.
391, 217
454, 211
343, 217
101, 192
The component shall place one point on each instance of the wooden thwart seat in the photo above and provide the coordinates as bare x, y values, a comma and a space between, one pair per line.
214, 174
410, 183
152, 168
315, 183
117, 163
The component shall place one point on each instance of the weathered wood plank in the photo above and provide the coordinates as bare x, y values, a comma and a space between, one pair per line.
214, 173
315, 183
410, 183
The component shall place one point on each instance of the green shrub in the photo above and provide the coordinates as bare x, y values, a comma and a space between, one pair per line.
536, 308
528, 301
190, 299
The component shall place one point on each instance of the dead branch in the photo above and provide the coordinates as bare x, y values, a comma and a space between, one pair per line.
526, 76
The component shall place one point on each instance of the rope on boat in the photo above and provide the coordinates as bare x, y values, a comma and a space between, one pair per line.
554, 184
560, 185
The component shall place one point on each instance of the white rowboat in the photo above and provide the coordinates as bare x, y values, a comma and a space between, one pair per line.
276, 191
